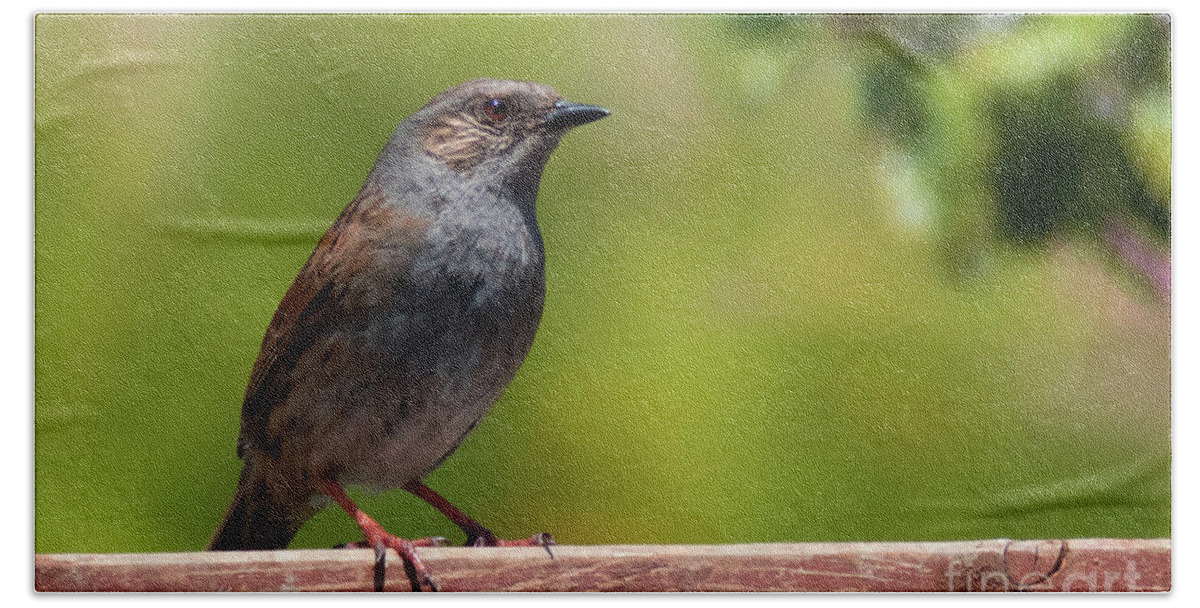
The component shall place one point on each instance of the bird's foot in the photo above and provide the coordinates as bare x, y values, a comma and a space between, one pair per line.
485, 538
477, 535
417, 573
381, 540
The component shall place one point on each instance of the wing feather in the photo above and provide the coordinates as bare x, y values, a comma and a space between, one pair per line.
327, 291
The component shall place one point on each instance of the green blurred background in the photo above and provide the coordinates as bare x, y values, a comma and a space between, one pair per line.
817, 278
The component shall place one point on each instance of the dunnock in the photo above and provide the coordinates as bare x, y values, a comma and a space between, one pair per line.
407, 322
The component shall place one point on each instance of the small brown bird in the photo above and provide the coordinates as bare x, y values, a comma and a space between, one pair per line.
407, 322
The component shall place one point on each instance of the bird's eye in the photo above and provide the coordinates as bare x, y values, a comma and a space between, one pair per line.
496, 110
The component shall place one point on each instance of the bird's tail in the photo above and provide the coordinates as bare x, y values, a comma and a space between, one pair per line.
260, 517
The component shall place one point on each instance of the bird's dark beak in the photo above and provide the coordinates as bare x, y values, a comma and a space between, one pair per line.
567, 115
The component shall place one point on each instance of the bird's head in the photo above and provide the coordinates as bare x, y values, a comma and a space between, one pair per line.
498, 127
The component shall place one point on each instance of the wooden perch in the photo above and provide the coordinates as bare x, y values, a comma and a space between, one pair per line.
988, 565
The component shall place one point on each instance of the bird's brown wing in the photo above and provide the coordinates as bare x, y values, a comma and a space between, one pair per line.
324, 291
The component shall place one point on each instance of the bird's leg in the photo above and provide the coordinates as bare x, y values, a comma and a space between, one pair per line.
380, 540
477, 535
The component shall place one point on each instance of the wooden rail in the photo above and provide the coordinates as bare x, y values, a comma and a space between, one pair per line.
987, 565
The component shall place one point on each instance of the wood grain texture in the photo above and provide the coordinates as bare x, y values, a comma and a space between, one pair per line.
987, 565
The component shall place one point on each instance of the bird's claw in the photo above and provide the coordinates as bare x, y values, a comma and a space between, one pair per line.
543, 540
380, 575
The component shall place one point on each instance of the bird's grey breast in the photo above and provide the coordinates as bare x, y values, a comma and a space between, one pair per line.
471, 301
493, 248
